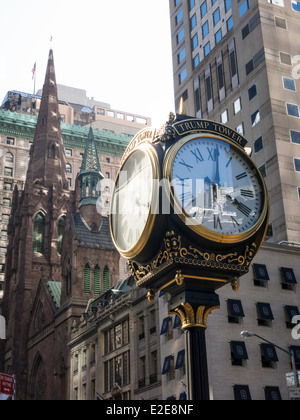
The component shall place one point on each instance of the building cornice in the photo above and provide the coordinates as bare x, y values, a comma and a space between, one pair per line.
21, 125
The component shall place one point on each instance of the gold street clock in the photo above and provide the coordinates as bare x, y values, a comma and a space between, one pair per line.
188, 200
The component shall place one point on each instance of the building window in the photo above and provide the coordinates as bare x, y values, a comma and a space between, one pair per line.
224, 117
8, 186
68, 168
181, 56
269, 356
39, 234
68, 152
237, 106
252, 92
258, 145
244, 7
295, 137
255, 118
203, 9
182, 76
227, 5
207, 49
296, 6
195, 41
285, 58
11, 141
87, 280
240, 129
8, 171
239, 353
293, 110
180, 36
218, 36
196, 61
60, 233
230, 23
289, 84
97, 280
9, 158
6, 202
233, 64
106, 279
205, 30
193, 21
179, 17
265, 315
216, 17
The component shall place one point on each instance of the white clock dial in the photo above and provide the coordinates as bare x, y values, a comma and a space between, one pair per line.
218, 186
132, 200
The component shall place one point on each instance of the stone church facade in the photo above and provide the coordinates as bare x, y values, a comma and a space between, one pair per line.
60, 256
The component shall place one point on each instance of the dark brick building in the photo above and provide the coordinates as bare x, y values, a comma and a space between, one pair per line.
60, 255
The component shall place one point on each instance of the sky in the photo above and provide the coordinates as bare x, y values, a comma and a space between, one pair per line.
118, 51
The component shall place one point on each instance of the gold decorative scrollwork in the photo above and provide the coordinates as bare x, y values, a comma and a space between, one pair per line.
173, 250
193, 316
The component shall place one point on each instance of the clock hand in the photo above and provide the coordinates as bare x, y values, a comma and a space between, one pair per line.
217, 154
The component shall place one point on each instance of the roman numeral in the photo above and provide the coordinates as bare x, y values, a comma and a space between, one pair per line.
235, 222
247, 193
241, 176
212, 154
217, 222
198, 155
189, 167
244, 209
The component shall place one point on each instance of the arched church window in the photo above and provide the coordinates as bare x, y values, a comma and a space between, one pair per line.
39, 234
87, 189
60, 233
106, 279
87, 280
97, 280
53, 151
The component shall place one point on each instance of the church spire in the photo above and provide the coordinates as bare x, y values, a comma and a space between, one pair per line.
90, 173
89, 177
47, 161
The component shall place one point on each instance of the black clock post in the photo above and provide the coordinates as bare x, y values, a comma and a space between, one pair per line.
217, 221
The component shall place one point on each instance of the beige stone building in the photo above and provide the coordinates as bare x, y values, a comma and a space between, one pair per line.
239, 368
236, 63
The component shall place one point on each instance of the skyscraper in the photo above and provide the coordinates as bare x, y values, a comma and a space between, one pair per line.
236, 62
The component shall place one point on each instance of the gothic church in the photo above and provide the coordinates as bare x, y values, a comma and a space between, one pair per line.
60, 256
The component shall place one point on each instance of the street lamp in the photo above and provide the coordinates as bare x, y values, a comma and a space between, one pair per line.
248, 334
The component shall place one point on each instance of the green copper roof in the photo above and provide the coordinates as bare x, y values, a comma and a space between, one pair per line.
90, 161
21, 125
55, 290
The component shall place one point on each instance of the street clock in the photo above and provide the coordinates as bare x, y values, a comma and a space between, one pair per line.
188, 199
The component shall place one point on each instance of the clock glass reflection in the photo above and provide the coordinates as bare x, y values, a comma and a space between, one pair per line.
132, 200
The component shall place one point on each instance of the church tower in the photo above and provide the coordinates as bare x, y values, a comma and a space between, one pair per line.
36, 229
90, 192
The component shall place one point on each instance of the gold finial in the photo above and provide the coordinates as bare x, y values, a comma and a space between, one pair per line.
151, 295
182, 109
235, 284
179, 278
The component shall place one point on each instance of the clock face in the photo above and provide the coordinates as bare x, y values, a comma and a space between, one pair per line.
217, 188
131, 204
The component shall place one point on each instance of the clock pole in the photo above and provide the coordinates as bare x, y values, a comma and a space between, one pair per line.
193, 307
196, 364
